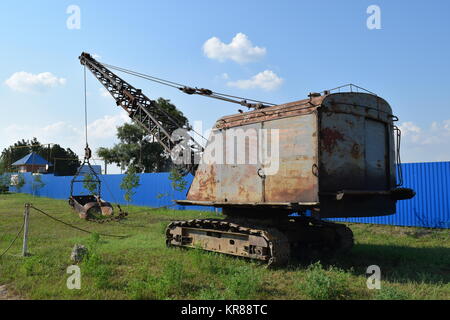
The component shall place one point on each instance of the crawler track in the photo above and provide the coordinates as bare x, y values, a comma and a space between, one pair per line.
269, 245
263, 242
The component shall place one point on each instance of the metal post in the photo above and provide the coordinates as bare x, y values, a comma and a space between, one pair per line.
25, 229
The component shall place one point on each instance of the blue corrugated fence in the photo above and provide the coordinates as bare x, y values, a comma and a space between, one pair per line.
155, 189
429, 208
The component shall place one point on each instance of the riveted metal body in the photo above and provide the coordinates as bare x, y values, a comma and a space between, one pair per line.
334, 154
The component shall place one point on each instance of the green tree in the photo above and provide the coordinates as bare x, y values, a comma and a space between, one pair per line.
90, 183
5, 182
129, 183
138, 151
65, 161
17, 151
178, 182
37, 183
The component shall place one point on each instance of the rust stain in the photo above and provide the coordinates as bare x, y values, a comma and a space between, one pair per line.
292, 109
330, 137
243, 192
204, 189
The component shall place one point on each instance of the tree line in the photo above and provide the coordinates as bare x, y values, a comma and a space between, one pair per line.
64, 162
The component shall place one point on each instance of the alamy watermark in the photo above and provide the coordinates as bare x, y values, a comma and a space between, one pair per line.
74, 280
233, 146
74, 20
374, 279
374, 20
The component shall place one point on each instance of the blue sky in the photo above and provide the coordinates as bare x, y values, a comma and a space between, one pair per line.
294, 46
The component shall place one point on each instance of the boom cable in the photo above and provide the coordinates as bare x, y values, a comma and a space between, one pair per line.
163, 82
85, 108
190, 90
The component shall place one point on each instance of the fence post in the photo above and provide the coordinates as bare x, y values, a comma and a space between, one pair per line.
26, 215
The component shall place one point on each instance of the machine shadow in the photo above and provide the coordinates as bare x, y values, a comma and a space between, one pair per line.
397, 263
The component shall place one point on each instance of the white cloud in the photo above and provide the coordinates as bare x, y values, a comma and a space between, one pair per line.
48, 131
101, 133
27, 82
54, 129
96, 56
60, 132
410, 130
105, 128
266, 80
425, 144
240, 49
444, 126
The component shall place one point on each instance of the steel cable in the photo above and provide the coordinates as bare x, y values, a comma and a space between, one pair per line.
85, 108
107, 187
155, 79
175, 84
145, 76
14, 240
72, 226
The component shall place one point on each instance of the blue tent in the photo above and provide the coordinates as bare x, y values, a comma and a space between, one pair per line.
31, 159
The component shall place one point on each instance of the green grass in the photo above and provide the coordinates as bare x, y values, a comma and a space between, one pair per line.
414, 262
326, 284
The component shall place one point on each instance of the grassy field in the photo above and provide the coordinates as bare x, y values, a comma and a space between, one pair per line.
414, 262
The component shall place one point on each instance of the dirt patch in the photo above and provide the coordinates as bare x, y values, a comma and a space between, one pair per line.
6, 294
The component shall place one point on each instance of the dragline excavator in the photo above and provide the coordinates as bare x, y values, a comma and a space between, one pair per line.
277, 170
